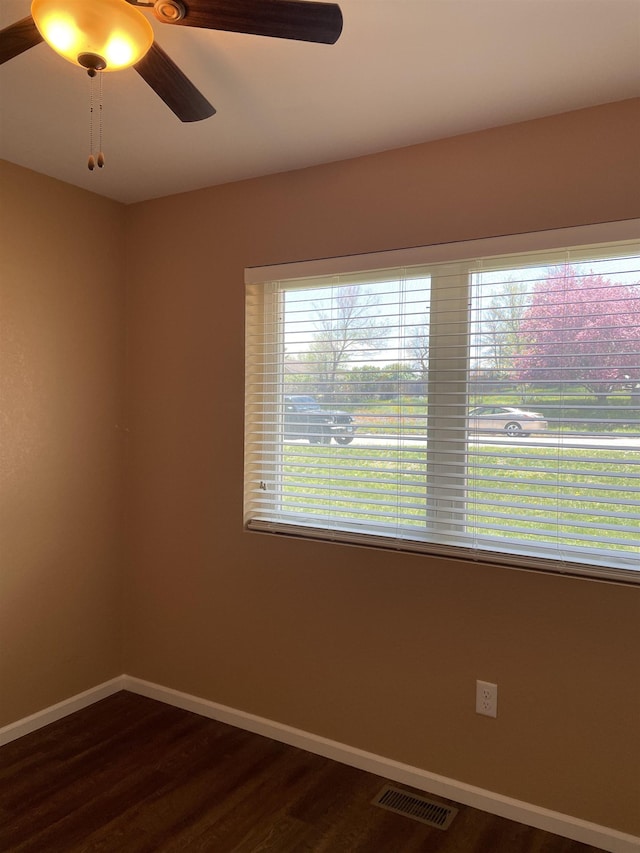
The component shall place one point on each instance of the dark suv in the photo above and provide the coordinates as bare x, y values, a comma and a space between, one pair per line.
304, 417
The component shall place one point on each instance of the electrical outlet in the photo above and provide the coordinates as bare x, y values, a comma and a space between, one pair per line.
486, 698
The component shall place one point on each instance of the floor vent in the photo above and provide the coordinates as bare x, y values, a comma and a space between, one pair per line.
415, 806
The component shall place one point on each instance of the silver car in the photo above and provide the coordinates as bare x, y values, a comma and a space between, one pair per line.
514, 422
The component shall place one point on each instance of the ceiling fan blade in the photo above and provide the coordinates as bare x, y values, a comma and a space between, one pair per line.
289, 19
168, 82
17, 38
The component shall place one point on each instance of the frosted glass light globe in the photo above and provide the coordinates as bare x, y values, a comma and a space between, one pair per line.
111, 30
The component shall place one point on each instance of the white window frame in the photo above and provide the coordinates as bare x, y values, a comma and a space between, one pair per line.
460, 258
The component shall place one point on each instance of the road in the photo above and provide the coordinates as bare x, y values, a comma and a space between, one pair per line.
621, 442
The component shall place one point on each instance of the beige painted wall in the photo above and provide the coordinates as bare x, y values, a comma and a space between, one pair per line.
374, 649
61, 358
377, 650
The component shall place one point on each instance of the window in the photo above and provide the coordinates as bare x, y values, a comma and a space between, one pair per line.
478, 400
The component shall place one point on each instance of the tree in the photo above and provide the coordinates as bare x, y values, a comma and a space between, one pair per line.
362, 383
351, 324
583, 329
394, 380
418, 349
500, 339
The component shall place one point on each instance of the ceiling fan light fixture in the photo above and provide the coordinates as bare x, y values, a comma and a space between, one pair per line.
111, 30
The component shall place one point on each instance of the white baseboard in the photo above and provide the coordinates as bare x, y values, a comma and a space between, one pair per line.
56, 712
570, 827
607, 839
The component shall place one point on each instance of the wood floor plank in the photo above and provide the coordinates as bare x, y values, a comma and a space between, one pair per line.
132, 775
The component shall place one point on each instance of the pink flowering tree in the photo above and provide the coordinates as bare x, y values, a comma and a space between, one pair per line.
581, 329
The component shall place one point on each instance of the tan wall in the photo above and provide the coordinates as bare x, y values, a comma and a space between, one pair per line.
377, 650
61, 354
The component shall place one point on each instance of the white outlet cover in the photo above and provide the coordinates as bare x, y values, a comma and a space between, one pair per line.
486, 698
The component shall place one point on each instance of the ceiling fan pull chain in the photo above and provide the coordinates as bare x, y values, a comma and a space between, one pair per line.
92, 160
100, 152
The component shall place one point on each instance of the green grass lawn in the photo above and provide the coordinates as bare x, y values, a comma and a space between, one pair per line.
518, 487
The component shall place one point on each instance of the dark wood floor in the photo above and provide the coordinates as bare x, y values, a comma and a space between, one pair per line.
130, 774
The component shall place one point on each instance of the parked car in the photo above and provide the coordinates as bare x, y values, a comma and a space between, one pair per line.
304, 417
515, 422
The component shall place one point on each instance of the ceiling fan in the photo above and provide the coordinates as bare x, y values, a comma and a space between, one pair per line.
109, 35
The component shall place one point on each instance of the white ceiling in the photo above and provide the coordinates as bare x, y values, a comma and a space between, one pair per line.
403, 72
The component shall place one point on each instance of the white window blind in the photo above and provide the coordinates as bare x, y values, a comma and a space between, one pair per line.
486, 408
